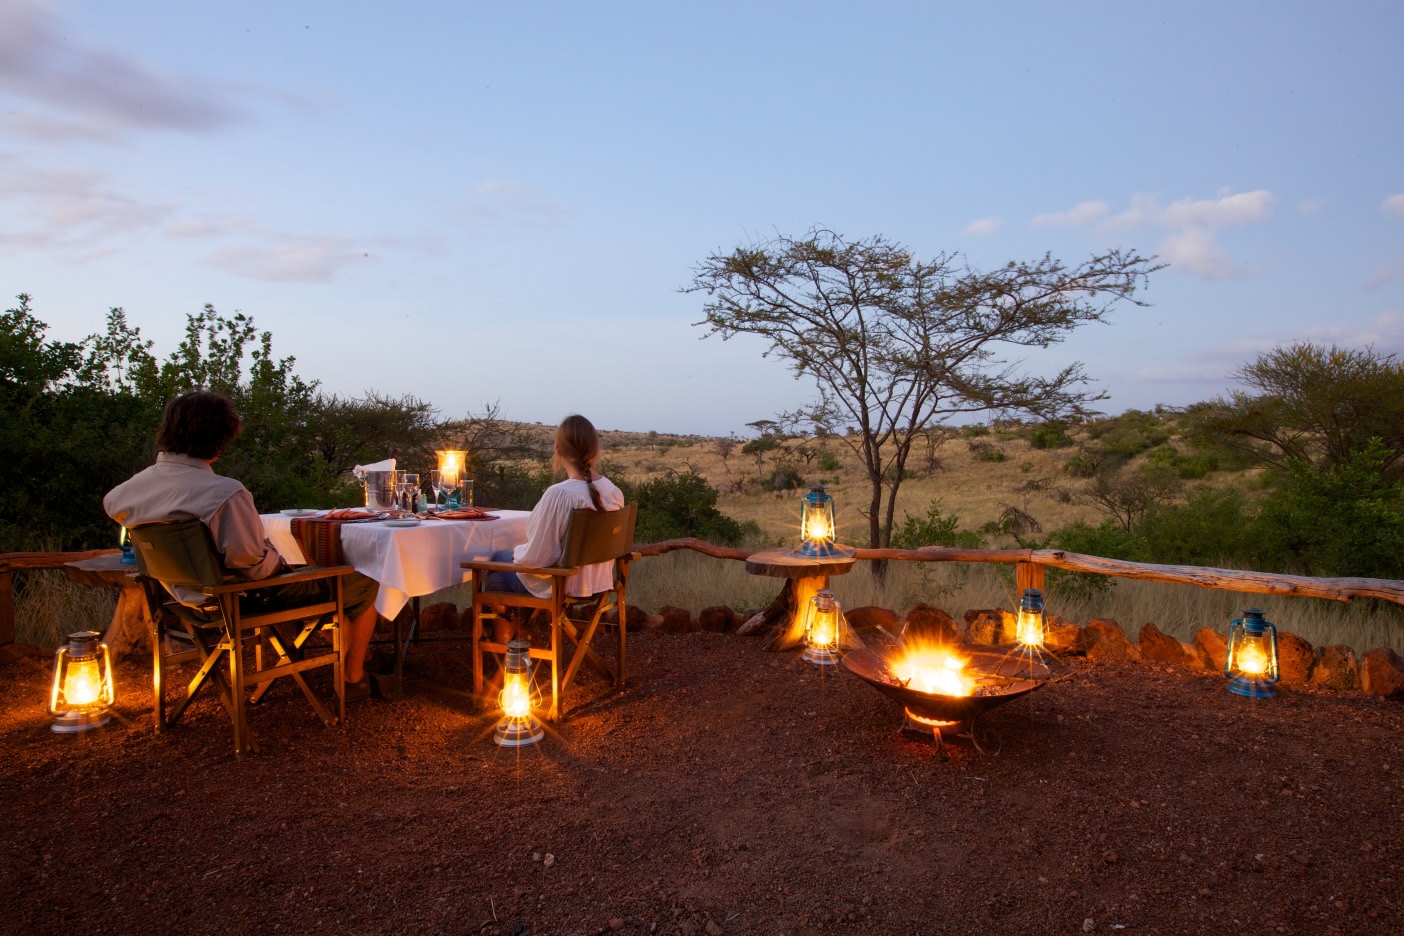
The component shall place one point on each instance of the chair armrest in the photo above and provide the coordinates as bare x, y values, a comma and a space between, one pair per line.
303, 574
485, 566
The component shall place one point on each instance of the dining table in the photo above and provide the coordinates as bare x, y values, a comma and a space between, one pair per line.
408, 561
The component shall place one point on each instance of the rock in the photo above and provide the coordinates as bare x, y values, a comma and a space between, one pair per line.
1382, 673
637, 617
442, 616
1295, 659
1063, 636
714, 928
928, 623
992, 626
1108, 643
1212, 649
719, 619
1159, 647
1337, 668
676, 620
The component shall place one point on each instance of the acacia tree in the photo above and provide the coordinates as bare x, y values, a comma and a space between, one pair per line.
896, 344
1310, 404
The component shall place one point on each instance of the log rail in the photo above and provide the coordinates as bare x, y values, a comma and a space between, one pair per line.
1030, 565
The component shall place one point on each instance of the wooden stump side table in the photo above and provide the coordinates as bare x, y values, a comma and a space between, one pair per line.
806, 576
131, 621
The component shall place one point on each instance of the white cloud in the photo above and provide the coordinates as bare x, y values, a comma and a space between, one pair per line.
1311, 206
94, 93
1386, 272
291, 259
1194, 250
1394, 205
1081, 213
984, 227
1145, 211
64, 208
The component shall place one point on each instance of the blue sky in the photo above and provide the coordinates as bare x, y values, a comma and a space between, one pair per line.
472, 202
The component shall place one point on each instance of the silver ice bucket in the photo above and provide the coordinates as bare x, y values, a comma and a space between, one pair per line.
380, 489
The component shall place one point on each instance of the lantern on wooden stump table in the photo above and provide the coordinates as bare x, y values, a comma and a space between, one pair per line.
518, 726
128, 551
817, 523
1029, 632
82, 693
1251, 661
823, 629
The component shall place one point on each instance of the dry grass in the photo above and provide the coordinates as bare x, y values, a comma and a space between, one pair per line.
49, 606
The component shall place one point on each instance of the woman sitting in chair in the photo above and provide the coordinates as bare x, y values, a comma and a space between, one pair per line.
577, 447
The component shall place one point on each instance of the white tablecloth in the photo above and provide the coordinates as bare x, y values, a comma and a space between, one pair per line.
410, 561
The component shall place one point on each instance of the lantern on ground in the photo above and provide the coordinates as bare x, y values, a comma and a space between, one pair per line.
518, 698
82, 693
1251, 660
1029, 632
823, 629
817, 523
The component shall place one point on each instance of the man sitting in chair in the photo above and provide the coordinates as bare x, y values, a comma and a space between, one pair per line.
196, 429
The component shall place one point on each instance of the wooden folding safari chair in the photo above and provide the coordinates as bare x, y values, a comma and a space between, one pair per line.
591, 536
216, 632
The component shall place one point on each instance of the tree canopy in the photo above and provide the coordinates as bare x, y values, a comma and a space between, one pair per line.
895, 343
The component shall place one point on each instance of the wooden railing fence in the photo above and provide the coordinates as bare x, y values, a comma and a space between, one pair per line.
1029, 571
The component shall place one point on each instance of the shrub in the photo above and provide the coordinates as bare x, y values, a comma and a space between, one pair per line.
1050, 435
934, 529
827, 461
685, 505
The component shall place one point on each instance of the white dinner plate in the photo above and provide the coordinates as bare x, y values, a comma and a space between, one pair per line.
403, 522
300, 512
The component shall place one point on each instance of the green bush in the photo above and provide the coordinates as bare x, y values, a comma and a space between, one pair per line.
827, 461
1050, 435
684, 505
934, 529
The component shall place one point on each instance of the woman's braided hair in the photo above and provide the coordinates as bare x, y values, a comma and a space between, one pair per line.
577, 444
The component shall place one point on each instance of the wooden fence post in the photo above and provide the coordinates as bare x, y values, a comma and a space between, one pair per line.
1027, 575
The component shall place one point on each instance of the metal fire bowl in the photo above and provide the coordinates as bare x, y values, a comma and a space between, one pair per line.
1003, 678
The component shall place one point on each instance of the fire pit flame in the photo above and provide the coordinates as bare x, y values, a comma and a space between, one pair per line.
937, 684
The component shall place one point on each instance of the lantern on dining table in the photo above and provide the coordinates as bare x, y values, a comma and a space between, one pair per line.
1251, 660
452, 463
82, 693
824, 626
817, 523
518, 698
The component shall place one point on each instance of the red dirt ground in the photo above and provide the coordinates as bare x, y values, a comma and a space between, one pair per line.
727, 790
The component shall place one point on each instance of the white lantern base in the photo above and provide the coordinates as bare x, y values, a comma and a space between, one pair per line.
73, 721
518, 732
820, 656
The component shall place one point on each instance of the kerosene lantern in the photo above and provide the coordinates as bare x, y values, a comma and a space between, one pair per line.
518, 698
1251, 660
82, 694
823, 629
817, 523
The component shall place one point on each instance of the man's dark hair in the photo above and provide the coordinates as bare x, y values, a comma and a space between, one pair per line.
201, 424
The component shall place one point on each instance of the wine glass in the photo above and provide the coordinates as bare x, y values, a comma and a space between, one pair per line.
437, 485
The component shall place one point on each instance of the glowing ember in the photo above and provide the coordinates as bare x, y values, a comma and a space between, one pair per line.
935, 671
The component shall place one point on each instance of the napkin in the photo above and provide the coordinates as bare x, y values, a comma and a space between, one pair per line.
349, 513
360, 471
463, 513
